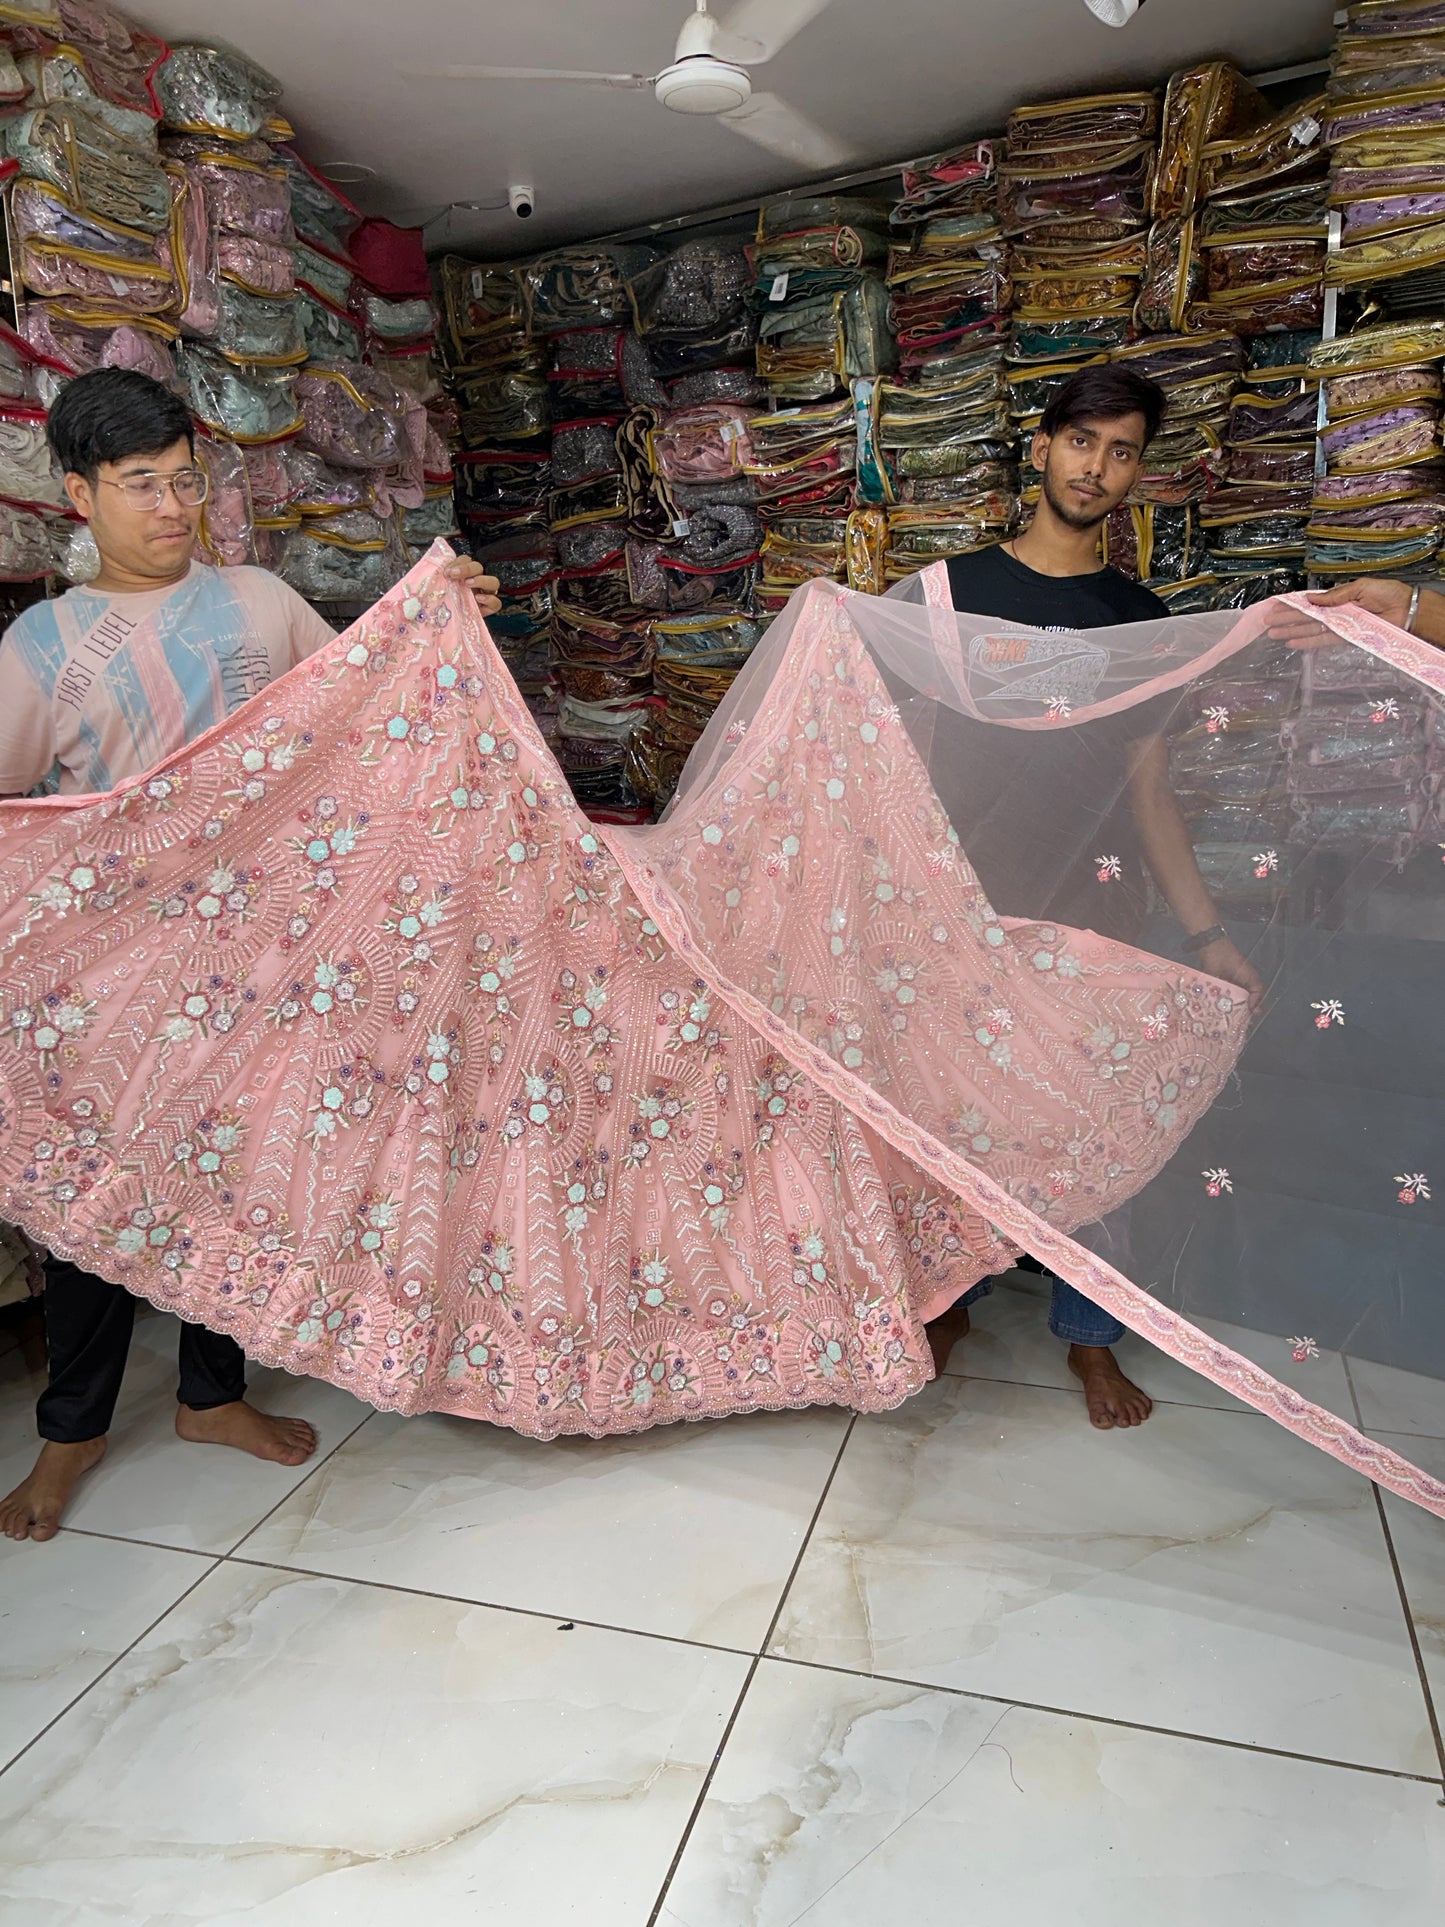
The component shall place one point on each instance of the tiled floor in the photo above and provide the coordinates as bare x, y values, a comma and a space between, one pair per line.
972, 1661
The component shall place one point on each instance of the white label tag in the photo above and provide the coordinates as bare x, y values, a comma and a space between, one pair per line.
682, 526
780, 288
333, 326
728, 431
1306, 131
478, 282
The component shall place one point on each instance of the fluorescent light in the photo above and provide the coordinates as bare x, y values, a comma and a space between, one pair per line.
1114, 13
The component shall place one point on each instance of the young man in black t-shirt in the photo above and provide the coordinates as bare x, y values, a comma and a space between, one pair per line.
1033, 809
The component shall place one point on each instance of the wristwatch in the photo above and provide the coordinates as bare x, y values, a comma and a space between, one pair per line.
1408, 625
1203, 938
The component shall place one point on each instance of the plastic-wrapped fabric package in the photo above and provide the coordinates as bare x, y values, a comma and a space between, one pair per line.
398, 320
21, 366
248, 405
333, 279
256, 329
674, 355
320, 212
704, 443
660, 577
79, 346
808, 350
1089, 193
257, 267
209, 90
243, 196
582, 287
227, 520
584, 450
1287, 146
1382, 439
584, 546
354, 417
326, 571
437, 517
119, 284
26, 551
958, 181
700, 287
502, 406
1201, 104
28, 474
1154, 543
101, 173
329, 333
483, 309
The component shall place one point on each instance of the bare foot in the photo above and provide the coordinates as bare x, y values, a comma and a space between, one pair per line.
33, 1510
944, 1332
285, 1441
1112, 1398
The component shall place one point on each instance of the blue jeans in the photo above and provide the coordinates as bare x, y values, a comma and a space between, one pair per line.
1073, 1317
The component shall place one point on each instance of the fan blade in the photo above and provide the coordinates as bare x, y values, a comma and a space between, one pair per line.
755, 30
525, 73
771, 123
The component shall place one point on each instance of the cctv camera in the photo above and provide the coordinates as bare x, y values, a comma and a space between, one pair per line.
521, 200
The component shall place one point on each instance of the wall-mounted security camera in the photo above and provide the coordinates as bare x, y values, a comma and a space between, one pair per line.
521, 200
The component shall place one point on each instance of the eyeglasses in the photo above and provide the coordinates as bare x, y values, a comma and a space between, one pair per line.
148, 490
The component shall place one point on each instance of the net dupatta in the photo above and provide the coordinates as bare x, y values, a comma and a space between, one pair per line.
1285, 1243
344, 1030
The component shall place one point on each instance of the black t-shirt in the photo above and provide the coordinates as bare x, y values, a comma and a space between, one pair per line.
1036, 810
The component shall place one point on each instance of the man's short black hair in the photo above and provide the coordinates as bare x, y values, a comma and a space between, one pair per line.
1105, 393
112, 413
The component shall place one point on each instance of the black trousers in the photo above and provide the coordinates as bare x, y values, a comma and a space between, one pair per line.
88, 1325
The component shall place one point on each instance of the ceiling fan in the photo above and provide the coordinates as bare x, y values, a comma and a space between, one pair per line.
709, 75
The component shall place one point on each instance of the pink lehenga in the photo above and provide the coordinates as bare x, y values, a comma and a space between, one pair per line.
345, 1031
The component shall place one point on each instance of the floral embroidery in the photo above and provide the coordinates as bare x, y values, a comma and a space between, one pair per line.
1218, 1181
1266, 862
1301, 1349
1413, 1186
1331, 1011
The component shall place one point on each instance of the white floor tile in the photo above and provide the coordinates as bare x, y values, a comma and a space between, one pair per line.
1207, 1573
843, 1802
67, 1609
292, 1752
689, 1530
200, 1498
1010, 1341
1419, 1540
1398, 1401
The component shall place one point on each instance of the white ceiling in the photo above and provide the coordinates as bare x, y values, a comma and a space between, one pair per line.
889, 78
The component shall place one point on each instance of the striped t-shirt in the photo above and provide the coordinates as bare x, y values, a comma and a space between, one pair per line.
110, 685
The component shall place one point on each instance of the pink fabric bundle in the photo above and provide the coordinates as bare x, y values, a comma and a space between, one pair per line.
705, 443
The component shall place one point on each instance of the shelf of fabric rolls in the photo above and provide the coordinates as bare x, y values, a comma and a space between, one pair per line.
159, 217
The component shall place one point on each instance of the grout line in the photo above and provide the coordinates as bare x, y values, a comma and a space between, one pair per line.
1430, 1713
311, 1472
486, 1605
1405, 1607
145, 1633
706, 1787
1108, 1719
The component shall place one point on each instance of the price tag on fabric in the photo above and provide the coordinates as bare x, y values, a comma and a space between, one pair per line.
1306, 131
478, 282
779, 290
333, 326
682, 526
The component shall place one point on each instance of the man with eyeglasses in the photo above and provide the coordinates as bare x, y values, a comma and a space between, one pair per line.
107, 681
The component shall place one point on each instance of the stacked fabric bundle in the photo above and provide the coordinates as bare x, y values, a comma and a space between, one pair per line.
802, 462
937, 444
1365, 760
1386, 130
695, 536
161, 223
1254, 261
1257, 524
1380, 505
1230, 770
578, 311
821, 299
